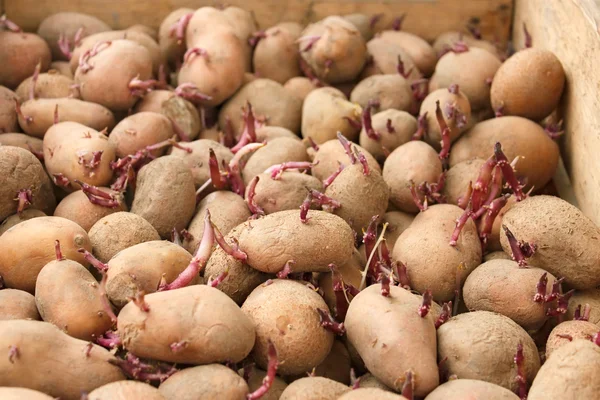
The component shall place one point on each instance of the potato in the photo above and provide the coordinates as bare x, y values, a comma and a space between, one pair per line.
269, 100
568, 249
78, 208
482, 345
583, 297
336, 365
255, 381
385, 60
351, 274
300, 86
138, 131
8, 114
457, 389
496, 255
314, 387
502, 286
16, 219
210, 382
444, 42
567, 331
391, 91
432, 263
133, 61
369, 381
22, 171
370, 394
70, 149
517, 135
268, 133
323, 240
276, 55
197, 160
165, 195
171, 48
414, 161
529, 84
325, 112
570, 374
375, 325
215, 331
403, 127
49, 85
471, 71
285, 193
17, 304
21, 140
42, 111
421, 52
62, 67
141, 268
338, 53
277, 151
331, 153
227, 210
243, 23
285, 312
20, 53
67, 24
52, 362
458, 178
361, 22
153, 33
456, 111
8, 393
398, 222
123, 390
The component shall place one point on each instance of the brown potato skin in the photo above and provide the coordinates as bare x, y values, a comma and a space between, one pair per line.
49, 85
392, 91
370, 394
285, 311
67, 295
375, 323
125, 390
16, 219
433, 134
583, 297
165, 195
425, 248
209, 382
20, 263
578, 360
276, 56
17, 393
517, 135
421, 52
21, 140
469, 389
398, 222
268, 133
169, 48
314, 387
444, 42
216, 330
481, 345
197, 160
20, 53
570, 249
323, 240
53, 362
361, 22
385, 60
277, 151
300, 86
576, 329
8, 114
17, 304
141, 267
139, 130
458, 178
78, 208
529, 84
336, 366
351, 274
404, 125
255, 381
369, 381
331, 153
62, 67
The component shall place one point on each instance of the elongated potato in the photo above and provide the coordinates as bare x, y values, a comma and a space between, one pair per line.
52, 362
376, 325
171, 48
314, 387
139, 130
50, 84
17, 304
277, 238
23, 141
209, 382
459, 389
268, 133
215, 331
331, 153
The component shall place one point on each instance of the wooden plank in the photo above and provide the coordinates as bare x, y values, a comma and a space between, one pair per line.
569, 28
428, 18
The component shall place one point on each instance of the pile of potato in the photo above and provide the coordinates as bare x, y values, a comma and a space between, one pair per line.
333, 211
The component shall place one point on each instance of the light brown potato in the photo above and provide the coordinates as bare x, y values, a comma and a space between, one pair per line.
462, 389
8, 113
16, 393
494, 238
171, 48
286, 193
403, 124
361, 22
529, 84
78, 208
243, 23
563, 375
519, 137
391, 91
458, 178
398, 222
567, 331
444, 42
369, 381
277, 151
568, 249
336, 366
276, 55
124, 390
432, 263
141, 268
323, 240
481, 345
496, 255
268, 133
209, 382
49, 85
16, 219
215, 331
385, 60
351, 274
456, 111
21, 140
285, 312
20, 53
69, 148
255, 381
374, 323
331, 153
370, 394
165, 195
17, 304
197, 160
153, 33
421, 52
300, 86
42, 111
414, 161
502, 286
138, 131
62, 67
52, 362
314, 387
583, 297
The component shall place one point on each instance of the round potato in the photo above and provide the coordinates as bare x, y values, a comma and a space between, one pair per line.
78, 208
457, 389
421, 52
209, 382
300, 86
277, 151
20, 54
50, 85
331, 153
458, 178
123, 390
583, 297
567, 331
456, 112
370, 394
314, 387
197, 160
385, 57
394, 128
17, 304
276, 55
139, 130
390, 91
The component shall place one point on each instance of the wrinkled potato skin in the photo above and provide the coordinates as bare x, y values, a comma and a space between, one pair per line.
49, 85
424, 246
277, 151
53, 362
148, 262
8, 114
461, 389
277, 238
481, 345
458, 178
300, 86
139, 130
285, 311
421, 52
570, 249
78, 208
392, 92
197, 160
404, 126
15, 219
433, 134
165, 195
216, 331
331, 153
575, 329
286, 193
314, 387
20, 53
17, 393
207, 382
276, 56
583, 297
125, 390
17, 304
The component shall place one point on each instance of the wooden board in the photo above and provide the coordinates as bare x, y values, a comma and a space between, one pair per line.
428, 18
570, 29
